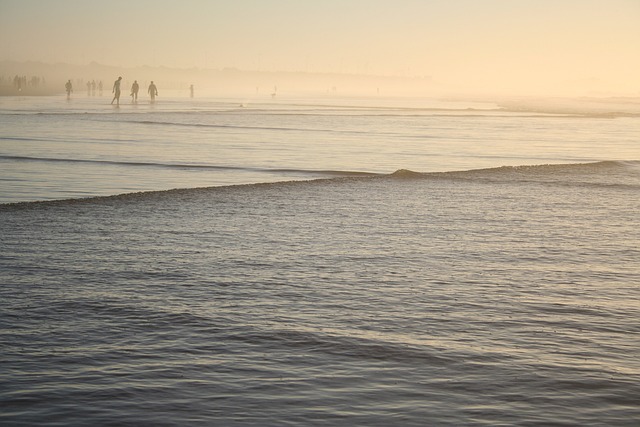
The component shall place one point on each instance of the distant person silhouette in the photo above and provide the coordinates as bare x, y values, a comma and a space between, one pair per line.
116, 90
100, 87
93, 87
191, 91
153, 91
88, 88
69, 87
135, 87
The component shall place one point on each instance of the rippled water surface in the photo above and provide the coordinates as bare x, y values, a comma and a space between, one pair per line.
492, 296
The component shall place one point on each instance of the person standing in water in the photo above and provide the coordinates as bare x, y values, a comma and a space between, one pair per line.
191, 90
69, 87
116, 90
134, 91
153, 91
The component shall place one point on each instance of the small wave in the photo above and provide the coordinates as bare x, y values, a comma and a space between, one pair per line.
338, 343
407, 174
534, 113
605, 165
260, 128
606, 108
591, 168
16, 138
192, 166
605, 174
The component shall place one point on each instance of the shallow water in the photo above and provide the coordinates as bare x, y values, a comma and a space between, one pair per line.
53, 149
497, 296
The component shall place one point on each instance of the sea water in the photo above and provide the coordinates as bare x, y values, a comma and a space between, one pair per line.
56, 149
326, 261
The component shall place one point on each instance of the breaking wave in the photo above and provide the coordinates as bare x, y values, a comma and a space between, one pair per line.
605, 174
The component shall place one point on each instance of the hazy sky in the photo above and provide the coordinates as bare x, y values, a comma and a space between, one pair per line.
502, 44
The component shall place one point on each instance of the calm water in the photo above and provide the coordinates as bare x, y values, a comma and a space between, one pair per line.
54, 149
388, 262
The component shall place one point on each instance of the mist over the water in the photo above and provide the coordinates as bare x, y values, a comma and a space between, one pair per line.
496, 47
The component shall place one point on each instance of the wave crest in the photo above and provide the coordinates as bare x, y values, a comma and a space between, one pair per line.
406, 174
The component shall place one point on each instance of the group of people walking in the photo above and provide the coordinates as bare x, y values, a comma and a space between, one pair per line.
152, 91
135, 87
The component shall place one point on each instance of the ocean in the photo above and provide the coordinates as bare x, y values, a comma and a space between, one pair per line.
337, 261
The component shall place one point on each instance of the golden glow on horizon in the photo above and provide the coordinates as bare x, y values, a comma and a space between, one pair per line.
515, 46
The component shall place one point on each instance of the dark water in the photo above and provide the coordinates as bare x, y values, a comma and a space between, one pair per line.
503, 296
